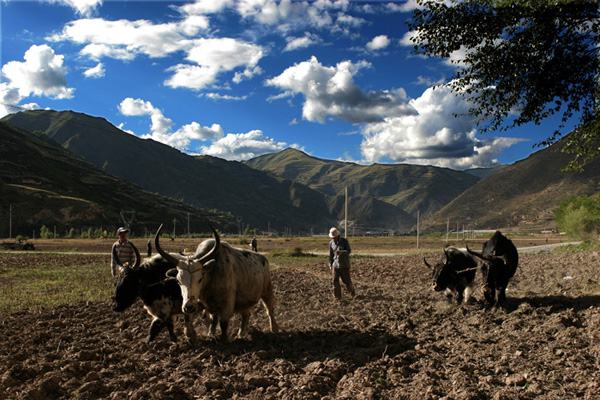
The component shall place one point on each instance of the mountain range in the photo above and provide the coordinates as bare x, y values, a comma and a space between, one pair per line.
288, 191
43, 184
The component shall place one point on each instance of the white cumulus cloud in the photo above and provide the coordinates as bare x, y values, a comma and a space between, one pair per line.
433, 136
137, 107
83, 7
136, 37
295, 43
331, 92
243, 146
208, 57
95, 72
9, 98
378, 43
42, 73
238, 146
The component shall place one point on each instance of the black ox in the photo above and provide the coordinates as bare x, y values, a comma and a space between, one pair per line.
454, 273
500, 259
160, 295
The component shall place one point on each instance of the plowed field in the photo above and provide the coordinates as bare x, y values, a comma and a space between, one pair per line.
397, 339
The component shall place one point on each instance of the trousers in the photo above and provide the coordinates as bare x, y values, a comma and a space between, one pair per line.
344, 275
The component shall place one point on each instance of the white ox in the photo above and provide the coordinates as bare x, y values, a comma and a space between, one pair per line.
224, 280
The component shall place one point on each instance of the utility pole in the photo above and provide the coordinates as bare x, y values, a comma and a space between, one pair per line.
447, 228
346, 215
418, 214
174, 223
10, 222
188, 235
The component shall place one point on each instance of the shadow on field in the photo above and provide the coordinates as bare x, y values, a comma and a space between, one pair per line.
556, 303
304, 347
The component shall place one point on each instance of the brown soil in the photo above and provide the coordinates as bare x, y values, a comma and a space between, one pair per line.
396, 340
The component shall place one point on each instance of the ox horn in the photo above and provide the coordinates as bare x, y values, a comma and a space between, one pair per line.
426, 263
170, 259
137, 256
476, 254
445, 257
213, 252
502, 257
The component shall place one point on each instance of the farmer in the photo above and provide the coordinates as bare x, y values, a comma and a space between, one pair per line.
339, 263
124, 251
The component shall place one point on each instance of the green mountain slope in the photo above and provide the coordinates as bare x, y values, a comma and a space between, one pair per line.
46, 185
158, 168
385, 195
522, 195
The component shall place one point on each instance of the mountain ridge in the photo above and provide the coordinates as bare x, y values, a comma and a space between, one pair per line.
520, 196
161, 169
292, 191
42, 183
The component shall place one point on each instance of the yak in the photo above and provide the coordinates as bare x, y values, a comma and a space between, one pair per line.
160, 295
454, 273
224, 280
500, 259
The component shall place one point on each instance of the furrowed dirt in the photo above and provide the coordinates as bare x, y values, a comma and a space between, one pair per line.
397, 339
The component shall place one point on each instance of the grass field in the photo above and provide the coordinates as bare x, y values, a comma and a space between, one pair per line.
68, 271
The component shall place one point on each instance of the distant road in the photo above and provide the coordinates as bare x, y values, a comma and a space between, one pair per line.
544, 247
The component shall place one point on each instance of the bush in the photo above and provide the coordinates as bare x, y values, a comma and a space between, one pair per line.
579, 217
45, 232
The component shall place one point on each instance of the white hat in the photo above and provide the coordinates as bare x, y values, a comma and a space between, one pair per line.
333, 232
121, 229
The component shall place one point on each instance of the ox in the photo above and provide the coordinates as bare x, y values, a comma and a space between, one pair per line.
499, 263
161, 297
224, 280
454, 273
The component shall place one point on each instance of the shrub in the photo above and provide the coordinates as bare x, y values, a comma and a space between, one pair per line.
579, 217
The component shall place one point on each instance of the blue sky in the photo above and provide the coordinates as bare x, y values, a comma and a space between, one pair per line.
237, 79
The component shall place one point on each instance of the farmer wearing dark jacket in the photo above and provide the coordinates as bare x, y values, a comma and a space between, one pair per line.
339, 263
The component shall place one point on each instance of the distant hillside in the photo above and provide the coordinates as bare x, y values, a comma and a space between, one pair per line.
381, 193
522, 195
224, 186
287, 191
485, 172
46, 185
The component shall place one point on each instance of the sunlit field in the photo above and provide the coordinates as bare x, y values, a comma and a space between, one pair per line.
68, 271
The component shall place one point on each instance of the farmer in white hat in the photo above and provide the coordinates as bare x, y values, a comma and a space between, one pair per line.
339, 263
124, 251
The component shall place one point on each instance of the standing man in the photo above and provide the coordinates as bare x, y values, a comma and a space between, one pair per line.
124, 251
254, 244
339, 263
